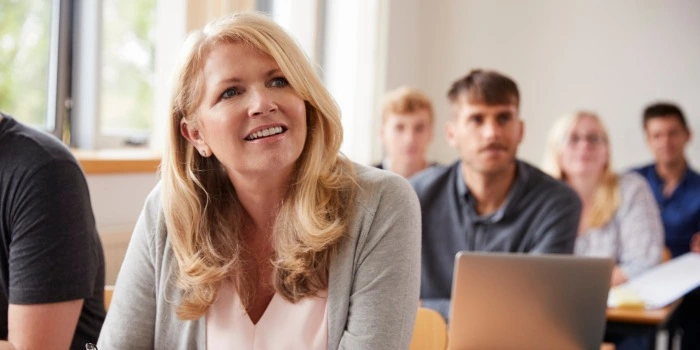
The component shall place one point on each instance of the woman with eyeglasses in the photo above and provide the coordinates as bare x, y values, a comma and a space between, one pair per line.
620, 218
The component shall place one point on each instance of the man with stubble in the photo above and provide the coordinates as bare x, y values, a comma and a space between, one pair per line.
488, 200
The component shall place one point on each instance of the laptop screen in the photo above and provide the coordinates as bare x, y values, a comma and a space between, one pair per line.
519, 301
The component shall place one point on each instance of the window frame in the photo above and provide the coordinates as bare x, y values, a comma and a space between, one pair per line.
75, 63
59, 90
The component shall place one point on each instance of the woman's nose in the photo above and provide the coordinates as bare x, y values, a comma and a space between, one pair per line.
261, 102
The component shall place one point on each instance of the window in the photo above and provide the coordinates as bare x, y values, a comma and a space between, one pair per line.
113, 73
25, 41
128, 69
341, 37
92, 72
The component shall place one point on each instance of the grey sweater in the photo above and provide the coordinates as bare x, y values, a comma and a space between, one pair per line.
373, 285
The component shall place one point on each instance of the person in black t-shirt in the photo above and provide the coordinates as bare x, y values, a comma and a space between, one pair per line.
51, 260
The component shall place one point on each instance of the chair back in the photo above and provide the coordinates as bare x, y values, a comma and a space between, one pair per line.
430, 331
108, 296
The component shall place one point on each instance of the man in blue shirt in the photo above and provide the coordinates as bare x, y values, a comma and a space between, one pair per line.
675, 185
677, 190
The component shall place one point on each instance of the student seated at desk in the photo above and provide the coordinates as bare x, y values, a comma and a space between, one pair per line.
52, 272
488, 200
620, 218
407, 130
676, 188
261, 234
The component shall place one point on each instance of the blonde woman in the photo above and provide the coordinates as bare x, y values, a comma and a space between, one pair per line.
260, 235
620, 218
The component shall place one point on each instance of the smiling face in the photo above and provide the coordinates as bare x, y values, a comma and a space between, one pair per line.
486, 136
249, 116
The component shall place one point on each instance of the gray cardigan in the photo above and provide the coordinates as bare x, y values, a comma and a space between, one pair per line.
373, 285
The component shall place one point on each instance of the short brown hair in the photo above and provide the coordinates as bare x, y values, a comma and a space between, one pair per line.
404, 100
485, 86
664, 110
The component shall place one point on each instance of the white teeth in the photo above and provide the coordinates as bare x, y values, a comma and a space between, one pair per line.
266, 132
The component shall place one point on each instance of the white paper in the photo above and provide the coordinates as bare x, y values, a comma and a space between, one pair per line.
664, 283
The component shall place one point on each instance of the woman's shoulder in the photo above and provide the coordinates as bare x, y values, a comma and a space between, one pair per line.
385, 202
151, 223
152, 206
375, 185
632, 182
635, 191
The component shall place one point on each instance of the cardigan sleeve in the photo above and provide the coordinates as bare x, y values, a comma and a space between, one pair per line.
385, 288
131, 320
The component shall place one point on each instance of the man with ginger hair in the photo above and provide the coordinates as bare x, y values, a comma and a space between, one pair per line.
407, 130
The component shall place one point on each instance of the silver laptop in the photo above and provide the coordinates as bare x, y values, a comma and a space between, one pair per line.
518, 301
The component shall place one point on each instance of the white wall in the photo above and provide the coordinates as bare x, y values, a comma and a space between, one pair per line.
117, 201
613, 57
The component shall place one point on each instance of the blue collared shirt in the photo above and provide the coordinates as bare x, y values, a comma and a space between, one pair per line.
680, 211
540, 215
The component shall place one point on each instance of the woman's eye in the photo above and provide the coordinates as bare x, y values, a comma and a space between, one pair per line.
279, 82
228, 93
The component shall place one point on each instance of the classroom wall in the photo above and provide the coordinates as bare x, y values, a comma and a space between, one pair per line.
117, 201
612, 57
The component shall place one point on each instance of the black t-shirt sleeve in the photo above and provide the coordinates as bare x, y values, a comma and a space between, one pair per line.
52, 255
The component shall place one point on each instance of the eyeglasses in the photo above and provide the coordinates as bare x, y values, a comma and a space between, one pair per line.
592, 139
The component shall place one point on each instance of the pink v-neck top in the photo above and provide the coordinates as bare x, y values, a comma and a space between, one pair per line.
283, 325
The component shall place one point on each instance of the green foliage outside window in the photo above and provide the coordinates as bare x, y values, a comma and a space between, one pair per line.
128, 69
25, 27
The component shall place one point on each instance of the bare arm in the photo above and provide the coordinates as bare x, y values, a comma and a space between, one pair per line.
5, 345
618, 277
695, 243
43, 326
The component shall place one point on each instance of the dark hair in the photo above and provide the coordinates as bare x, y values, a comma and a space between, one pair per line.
485, 86
664, 110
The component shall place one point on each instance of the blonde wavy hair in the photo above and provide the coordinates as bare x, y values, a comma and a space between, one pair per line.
606, 199
203, 216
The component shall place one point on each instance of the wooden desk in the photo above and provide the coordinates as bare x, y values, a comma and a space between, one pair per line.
118, 161
650, 317
641, 322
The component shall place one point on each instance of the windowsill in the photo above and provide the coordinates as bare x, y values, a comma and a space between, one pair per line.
118, 161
